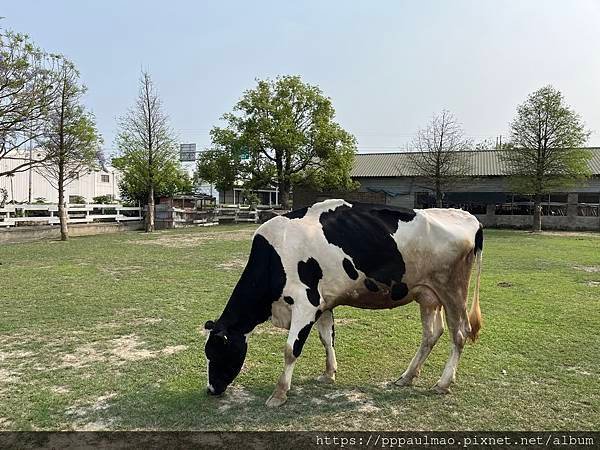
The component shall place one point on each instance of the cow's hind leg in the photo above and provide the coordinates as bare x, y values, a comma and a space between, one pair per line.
303, 318
433, 327
458, 327
327, 336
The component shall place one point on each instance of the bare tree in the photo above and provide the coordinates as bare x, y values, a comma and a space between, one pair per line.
146, 143
70, 140
438, 153
27, 89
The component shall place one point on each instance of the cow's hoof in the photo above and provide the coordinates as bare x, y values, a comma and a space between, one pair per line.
274, 402
440, 389
403, 382
327, 379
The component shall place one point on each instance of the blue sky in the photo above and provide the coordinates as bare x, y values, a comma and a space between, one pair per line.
387, 65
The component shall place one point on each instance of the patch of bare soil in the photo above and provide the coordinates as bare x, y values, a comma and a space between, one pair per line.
504, 284
192, 240
235, 396
17, 339
101, 403
8, 376
11, 355
361, 401
60, 389
588, 269
344, 321
118, 272
117, 352
269, 329
234, 264
5, 423
578, 370
98, 425
134, 322
81, 412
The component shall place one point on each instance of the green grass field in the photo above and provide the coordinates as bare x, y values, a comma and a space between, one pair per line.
104, 332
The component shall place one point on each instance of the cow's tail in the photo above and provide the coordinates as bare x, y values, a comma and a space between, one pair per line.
475, 312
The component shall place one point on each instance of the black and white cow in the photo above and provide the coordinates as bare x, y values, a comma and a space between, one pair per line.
305, 263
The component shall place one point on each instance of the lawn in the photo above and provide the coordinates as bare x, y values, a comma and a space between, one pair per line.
104, 332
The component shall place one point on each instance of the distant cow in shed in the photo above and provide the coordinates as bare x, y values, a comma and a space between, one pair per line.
305, 263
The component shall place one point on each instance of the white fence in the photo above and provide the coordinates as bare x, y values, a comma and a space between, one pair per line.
236, 213
47, 214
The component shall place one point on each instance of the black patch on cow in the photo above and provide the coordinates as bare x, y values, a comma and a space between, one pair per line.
370, 285
332, 335
479, 240
296, 214
349, 268
310, 274
399, 291
250, 303
318, 314
289, 300
364, 232
259, 286
332, 330
301, 339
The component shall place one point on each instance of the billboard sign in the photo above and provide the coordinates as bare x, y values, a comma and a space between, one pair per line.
187, 152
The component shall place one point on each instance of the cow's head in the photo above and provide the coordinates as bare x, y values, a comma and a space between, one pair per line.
225, 354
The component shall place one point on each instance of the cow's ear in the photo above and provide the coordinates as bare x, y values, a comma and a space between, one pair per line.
209, 325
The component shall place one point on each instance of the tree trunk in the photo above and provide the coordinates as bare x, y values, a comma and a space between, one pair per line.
150, 212
438, 195
284, 197
62, 210
537, 213
284, 192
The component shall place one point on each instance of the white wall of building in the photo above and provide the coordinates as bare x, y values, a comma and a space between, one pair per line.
87, 185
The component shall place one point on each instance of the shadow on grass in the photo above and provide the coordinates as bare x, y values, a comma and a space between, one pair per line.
244, 408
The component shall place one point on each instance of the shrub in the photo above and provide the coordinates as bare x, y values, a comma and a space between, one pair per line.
77, 199
104, 199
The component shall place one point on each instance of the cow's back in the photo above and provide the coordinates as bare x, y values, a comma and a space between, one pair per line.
370, 255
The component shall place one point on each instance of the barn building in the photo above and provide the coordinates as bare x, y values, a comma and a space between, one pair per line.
389, 178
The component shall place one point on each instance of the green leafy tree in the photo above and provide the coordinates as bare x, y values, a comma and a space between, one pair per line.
173, 180
28, 87
219, 167
546, 154
280, 133
70, 141
146, 145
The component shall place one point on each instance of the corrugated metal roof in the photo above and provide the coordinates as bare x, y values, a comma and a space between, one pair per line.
482, 163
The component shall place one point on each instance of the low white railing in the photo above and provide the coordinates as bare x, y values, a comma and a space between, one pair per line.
19, 214
236, 213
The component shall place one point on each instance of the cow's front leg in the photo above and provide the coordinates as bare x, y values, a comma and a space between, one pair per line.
327, 336
303, 319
